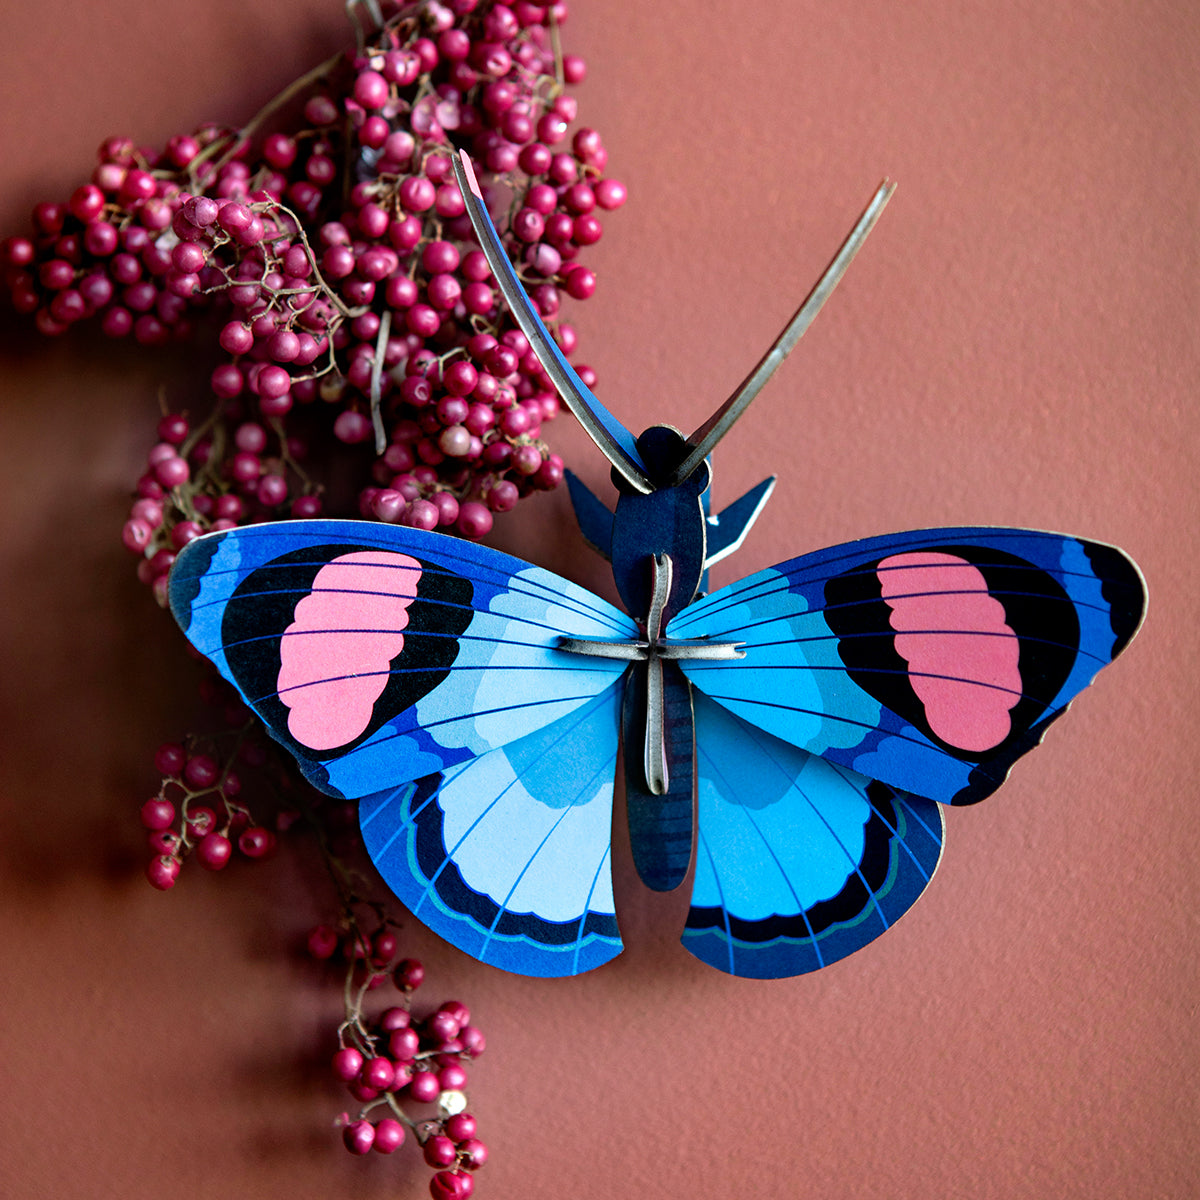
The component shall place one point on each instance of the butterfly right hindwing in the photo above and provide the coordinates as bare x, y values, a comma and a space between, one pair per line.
799, 861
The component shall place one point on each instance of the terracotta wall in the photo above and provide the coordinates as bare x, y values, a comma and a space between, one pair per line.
1016, 345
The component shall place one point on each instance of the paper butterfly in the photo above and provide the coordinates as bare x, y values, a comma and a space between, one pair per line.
801, 726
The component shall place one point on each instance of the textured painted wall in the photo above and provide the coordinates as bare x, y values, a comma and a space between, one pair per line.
1016, 345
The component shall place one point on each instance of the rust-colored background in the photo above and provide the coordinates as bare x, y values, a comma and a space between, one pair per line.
1016, 345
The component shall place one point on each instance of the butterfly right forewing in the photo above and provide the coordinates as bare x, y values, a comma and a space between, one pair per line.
929, 660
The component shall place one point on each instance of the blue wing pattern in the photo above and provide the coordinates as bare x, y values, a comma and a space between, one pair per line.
508, 856
379, 655
928, 660
800, 862
422, 674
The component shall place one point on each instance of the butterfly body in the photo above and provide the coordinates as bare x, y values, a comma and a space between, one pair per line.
665, 526
799, 728
428, 678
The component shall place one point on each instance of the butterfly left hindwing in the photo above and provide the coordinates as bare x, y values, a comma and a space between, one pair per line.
508, 856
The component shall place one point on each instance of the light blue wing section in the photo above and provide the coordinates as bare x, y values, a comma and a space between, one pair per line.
800, 862
791, 681
508, 856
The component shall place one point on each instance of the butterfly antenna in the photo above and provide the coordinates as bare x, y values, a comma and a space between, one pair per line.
718, 425
616, 443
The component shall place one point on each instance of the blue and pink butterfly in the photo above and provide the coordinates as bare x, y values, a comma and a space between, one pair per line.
794, 733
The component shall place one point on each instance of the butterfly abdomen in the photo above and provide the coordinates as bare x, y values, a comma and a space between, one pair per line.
660, 826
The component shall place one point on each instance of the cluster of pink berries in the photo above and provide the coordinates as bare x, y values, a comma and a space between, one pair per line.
359, 337
334, 262
393, 1059
204, 819
389, 1063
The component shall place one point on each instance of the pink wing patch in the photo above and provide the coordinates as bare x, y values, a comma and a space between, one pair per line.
960, 648
335, 656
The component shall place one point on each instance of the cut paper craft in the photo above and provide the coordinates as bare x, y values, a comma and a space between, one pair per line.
799, 728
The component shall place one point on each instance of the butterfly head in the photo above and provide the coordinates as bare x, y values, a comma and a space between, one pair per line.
663, 449
668, 520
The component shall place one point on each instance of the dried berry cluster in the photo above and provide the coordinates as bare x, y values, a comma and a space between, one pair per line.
209, 820
333, 261
394, 1058
324, 251
407, 1074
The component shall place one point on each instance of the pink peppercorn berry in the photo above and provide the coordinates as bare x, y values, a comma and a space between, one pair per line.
442, 1026
389, 1136
451, 1185
461, 1127
164, 841
201, 820
157, 813
213, 851
378, 1073
392, 1019
404, 1044
408, 974
201, 771
256, 842
347, 1063
323, 942
440, 1151
162, 871
472, 1154
473, 1041
359, 1137
383, 948
452, 1078
424, 1087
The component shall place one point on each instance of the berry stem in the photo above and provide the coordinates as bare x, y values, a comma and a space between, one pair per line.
228, 146
285, 455
556, 47
328, 292
362, 30
385, 327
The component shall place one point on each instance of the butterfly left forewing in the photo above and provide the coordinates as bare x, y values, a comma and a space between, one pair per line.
929, 660
379, 655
